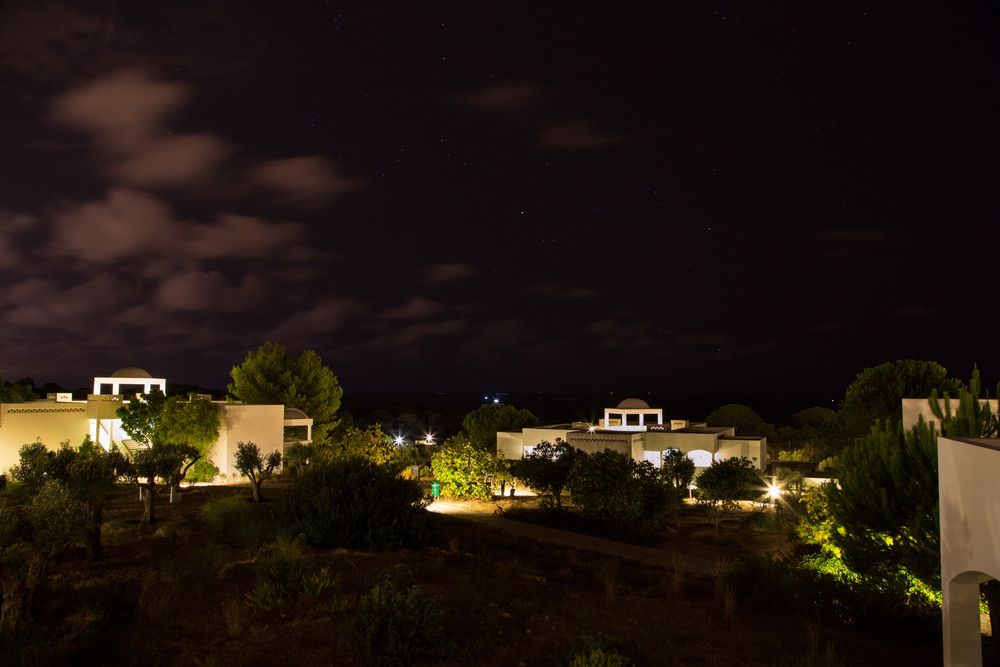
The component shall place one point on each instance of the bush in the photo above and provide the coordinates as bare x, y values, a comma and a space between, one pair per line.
547, 468
659, 496
353, 502
286, 574
600, 658
397, 624
604, 487
466, 471
730, 480
238, 522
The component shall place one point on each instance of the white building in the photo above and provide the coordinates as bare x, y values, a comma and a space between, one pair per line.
637, 430
968, 470
59, 418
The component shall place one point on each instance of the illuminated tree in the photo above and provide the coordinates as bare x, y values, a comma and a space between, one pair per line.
270, 375
168, 463
729, 480
370, 443
466, 471
482, 424
678, 468
255, 467
547, 468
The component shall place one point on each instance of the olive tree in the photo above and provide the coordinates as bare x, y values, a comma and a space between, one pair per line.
256, 467
166, 462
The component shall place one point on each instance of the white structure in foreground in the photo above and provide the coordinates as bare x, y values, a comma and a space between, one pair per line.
59, 418
968, 474
637, 430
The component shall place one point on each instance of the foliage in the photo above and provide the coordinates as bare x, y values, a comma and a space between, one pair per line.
482, 424
877, 392
396, 624
547, 468
370, 443
813, 418
352, 502
19, 392
237, 522
973, 419
892, 604
141, 415
34, 467
746, 421
92, 476
678, 468
729, 480
886, 502
271, 375
467, 471
599, 657
155, 418
58, 520
286, 574
298, 456
255, 467
603, 486
162, 461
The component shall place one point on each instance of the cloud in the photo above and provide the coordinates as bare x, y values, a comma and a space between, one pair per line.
448, 272
125, 115
321, 318
309, 179
11, 225
173, 161
577, 135
413, 333
129, 225
203, 290
527, 104
126, 225
241, 236
44, 303
505, 97
417, 308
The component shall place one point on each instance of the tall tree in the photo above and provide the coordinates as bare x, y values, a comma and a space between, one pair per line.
746, 421
483, 423
547, 468
271, 375
154, 417
877, 392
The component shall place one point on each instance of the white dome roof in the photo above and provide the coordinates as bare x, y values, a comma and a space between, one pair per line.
131, 372
634, 404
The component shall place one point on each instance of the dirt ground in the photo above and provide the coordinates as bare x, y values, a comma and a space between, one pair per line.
157, 598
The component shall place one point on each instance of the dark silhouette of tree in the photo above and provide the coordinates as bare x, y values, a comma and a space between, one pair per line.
255, 467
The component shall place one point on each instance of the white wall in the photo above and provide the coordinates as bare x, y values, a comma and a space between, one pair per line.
510, 445
48, 421
534, 436
756, 450
260, 424
968, 470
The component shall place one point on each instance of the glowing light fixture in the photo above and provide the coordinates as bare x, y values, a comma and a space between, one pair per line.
773, 491
399, 440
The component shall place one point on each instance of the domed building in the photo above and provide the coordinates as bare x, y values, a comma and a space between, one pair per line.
634, 428
59, 418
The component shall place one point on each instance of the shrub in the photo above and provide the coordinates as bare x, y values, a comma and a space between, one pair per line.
238, 522
466, 471
397, 624
547, 468
599, 657
353, 502
730, 480
286, 574
658, 493
604, 487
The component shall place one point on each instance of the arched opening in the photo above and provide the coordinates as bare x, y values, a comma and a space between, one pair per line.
962, 620
701, 457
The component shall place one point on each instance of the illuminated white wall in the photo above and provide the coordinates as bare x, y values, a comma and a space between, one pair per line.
510, 445
968, 470
702, 457
753, 449
48, 421
260, 424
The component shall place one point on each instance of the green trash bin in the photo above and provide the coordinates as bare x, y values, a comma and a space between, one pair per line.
436, 489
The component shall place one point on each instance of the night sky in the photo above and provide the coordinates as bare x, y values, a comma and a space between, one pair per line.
718, 198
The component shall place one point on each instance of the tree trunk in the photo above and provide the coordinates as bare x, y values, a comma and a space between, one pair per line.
255, 489
991, 589
147, 504
94, 531
18, 592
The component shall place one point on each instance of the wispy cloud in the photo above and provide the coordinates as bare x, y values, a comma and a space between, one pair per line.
448, 272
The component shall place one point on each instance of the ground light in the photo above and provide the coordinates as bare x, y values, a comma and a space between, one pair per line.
399, 441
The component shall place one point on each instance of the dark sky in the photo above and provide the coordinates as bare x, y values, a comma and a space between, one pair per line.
491, 196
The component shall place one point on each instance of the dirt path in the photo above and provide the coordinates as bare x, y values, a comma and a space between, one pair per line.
484, 513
